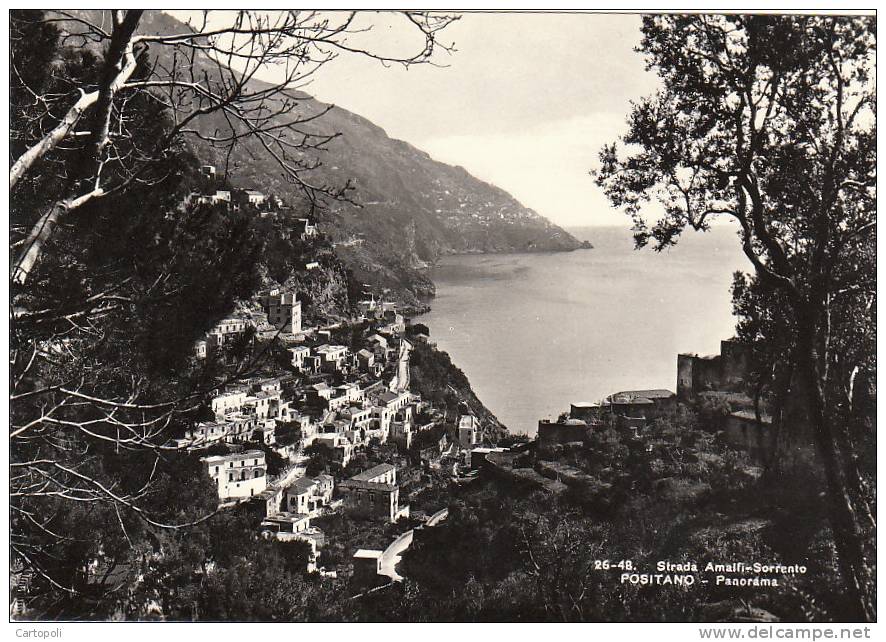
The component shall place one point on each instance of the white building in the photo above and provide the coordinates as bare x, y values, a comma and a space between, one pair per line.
266, 384
380, 340
334, 355
238, 475
228, 328
321, 391
227, 402
350, 391
251, 197
393, 401
402, 429
283, 310
299, 354
367, 306
306, 229
204, 434
290, 527
263, 405
469, 433
342, 448
239, 427
308, 495
381, 423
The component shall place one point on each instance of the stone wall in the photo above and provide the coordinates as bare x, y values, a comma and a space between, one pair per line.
757, 439
551, 433
725, 371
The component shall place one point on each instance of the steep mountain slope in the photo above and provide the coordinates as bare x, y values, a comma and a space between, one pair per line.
407, 209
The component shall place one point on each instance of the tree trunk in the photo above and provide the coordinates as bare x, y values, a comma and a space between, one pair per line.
849, 535
119, 65
41, 232
782, 388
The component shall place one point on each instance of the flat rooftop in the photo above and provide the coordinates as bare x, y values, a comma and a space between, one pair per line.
249, 454
367, 485
373, 472
658, 393
287, 518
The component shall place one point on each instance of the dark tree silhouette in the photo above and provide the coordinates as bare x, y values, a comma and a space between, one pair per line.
205, 69
113, 275
770, 121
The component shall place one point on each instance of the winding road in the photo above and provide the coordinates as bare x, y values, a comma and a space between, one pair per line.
400, 381
394, 553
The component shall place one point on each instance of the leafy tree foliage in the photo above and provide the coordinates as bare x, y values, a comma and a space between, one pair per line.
320, 460
116, 272
507, 552
769, 121
101, 334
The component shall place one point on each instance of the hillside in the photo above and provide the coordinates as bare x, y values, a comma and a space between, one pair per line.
407, 209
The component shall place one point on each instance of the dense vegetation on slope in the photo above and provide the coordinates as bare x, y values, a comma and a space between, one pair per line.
806, 206
512, 552
442, 383
102, 334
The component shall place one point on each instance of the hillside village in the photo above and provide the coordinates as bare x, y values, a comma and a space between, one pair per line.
336, 431
283, 442
315, 429
223, 406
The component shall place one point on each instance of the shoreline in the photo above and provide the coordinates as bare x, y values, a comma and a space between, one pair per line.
582, 246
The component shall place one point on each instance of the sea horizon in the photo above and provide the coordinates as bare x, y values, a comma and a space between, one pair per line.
535, 332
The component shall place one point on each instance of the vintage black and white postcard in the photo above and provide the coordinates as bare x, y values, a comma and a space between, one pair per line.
442, 316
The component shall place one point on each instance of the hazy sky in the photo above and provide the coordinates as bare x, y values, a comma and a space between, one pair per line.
525, 102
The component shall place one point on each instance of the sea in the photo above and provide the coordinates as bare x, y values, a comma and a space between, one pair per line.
536, 332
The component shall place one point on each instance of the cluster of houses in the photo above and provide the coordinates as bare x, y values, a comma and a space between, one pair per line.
628, 409
333, 399
280, 315
214, 191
